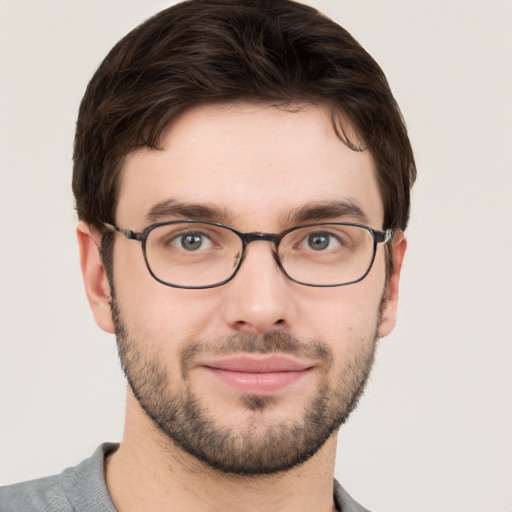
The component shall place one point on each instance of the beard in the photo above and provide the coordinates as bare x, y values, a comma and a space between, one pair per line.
254, 447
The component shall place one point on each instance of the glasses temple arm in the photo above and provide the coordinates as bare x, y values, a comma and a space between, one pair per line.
128, 233
384, 236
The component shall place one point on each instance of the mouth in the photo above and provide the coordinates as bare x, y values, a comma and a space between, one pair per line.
252, 374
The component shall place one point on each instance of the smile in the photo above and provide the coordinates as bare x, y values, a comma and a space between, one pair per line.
252, 375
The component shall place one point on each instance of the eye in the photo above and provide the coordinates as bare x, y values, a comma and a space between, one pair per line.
191, 241
320, 241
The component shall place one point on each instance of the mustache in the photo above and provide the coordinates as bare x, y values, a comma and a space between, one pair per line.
268, 343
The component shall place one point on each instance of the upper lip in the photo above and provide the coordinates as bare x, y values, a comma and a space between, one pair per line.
253, 364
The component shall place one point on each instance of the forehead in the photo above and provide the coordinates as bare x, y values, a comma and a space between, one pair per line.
256, 162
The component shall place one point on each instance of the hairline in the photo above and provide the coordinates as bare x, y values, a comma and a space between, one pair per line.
341, 124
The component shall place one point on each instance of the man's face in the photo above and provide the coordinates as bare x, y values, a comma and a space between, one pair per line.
252, 376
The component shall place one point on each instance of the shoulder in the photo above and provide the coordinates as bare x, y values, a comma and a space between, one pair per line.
345, 502
76, 489
44, 494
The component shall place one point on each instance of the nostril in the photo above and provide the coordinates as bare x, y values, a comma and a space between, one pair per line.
280, 321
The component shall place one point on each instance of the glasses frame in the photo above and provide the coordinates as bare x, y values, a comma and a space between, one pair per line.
247, 238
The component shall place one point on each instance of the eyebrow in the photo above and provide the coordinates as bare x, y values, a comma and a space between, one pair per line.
346, 209
171, 208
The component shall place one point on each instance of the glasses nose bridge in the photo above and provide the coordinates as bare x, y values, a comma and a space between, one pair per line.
255, 236
274, 239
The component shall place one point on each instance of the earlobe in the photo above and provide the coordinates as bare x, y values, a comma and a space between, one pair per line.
390, 306
95, 278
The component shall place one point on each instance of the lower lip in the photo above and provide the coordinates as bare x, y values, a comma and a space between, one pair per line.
258, 383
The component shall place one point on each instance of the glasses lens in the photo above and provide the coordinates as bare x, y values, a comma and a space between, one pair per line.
192, 254
327, 254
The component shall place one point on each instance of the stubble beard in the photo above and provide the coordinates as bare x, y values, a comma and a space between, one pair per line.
254, 448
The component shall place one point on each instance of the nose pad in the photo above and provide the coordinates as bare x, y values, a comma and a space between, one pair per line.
254, 250
277, 260
239, 261
258, 237
257, 298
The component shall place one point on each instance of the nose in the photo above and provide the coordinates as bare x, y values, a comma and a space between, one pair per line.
259, 298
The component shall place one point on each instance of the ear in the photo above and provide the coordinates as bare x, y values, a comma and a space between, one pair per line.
389, 312
95, 278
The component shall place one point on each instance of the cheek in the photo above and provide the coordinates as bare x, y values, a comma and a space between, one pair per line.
348, 316
157, 314
141, 299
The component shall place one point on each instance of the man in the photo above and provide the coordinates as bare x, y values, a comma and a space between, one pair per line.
254, 152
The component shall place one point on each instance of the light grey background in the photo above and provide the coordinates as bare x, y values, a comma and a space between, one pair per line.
433, 432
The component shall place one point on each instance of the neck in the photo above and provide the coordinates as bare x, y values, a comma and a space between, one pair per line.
149, 472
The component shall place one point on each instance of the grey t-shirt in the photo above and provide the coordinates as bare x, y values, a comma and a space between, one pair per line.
83, 489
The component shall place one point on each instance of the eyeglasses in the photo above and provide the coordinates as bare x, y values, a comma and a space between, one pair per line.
197, 254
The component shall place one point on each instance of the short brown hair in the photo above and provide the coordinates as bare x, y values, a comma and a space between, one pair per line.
208, 51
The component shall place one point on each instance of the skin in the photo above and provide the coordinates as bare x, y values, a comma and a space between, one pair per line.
275, 162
